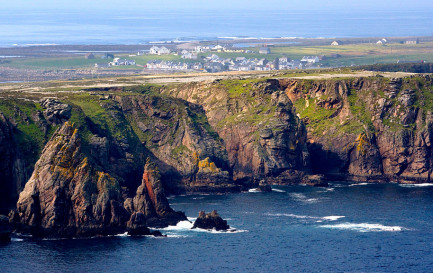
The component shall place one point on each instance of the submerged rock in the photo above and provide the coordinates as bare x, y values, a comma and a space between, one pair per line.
210, 221
5, 229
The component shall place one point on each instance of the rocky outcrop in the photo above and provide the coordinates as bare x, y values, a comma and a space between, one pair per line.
367, 129
211, 220
151, 202
262, 134
55, 112
5, 229
70, 195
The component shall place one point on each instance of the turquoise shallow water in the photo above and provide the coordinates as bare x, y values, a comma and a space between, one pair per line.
344, 228
140, 26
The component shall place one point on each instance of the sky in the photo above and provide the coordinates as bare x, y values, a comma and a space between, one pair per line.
220, 4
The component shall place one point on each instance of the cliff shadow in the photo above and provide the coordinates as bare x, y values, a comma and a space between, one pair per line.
325, 161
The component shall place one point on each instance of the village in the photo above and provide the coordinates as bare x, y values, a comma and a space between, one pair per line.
206, 59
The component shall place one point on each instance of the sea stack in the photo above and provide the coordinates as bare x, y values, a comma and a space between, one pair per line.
210, 221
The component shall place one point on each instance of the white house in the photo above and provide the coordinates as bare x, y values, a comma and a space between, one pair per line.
202, 49
118, 62
412, 42
335, 43
189, 55
154, 50
310, 59
219, 48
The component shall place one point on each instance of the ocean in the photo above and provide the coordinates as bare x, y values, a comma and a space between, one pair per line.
343, 228
30, 27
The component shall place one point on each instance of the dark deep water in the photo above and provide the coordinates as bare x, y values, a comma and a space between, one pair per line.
345, 228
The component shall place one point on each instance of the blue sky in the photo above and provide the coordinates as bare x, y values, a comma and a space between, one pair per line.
221, 4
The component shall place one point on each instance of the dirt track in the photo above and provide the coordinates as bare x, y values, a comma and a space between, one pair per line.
56, 86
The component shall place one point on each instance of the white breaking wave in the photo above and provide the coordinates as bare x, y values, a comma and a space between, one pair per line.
365, 227
175, 236
332, 218
182, 225
17, 239
302, 198
317, 218
122, 235
257, 190
186, 226
416, 185
358, 184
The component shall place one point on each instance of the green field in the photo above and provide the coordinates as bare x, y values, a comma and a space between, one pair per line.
343, 55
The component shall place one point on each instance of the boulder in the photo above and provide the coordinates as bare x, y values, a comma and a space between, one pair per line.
210, 221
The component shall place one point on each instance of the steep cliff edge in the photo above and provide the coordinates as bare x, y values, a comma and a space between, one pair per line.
373, 129
262, 134
70, 195
178, 137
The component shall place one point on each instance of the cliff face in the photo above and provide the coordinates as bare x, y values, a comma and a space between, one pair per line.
262, 134
69, 195
177, 135
11, 165
371, 128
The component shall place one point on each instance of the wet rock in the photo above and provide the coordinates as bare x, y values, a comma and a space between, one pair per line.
264, 187
211, 220
315, 180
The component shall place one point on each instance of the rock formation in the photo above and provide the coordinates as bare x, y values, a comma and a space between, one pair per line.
178, 137
211, 220
151, 202
369, 129
262, 134
69, 195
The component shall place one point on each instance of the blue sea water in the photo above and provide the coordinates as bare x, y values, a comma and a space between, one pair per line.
24, 27
344, 228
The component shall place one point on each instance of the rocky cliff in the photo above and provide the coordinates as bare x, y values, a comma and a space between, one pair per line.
373, 129
262, 134
178, 137
71, 195
220, 136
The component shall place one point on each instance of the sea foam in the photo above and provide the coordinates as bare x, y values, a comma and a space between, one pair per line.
365, 227
422, 185
316, 218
